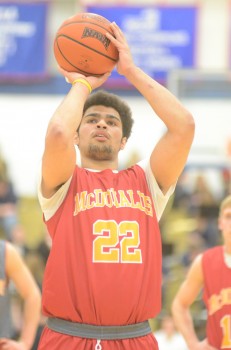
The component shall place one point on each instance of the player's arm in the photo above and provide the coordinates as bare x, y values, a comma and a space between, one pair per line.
170, 153
184, 298
59, 157
18, 272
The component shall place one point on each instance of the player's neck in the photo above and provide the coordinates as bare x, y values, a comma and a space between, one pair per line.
227, 249
227, 256
99, 164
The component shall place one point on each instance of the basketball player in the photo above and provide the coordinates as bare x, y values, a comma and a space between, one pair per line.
103, 276
13, 268
210, 271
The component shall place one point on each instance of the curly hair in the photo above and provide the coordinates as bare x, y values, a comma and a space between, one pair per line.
107, 99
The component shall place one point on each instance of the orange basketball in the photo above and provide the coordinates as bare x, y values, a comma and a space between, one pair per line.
81, 45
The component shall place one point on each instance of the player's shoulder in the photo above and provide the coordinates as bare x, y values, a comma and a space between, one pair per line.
212, 251
11, 251
12, 258
197, 261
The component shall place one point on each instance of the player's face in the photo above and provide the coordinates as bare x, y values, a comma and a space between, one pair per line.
100, 133
225, 225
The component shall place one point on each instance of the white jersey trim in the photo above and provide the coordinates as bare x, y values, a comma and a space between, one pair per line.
160, 199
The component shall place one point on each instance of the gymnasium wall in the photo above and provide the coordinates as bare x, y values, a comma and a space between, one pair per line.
24, 116
213, 27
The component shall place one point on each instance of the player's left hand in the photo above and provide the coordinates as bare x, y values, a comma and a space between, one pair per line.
125, 61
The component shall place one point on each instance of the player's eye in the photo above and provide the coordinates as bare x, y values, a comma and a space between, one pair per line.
111, 123
92, 120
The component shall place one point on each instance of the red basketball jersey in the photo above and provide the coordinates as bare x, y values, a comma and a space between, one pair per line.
217, 297
104, 266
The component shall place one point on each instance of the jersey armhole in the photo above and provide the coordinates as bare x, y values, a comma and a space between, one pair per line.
159, 198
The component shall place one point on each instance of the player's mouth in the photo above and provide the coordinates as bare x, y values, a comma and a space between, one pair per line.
101, 136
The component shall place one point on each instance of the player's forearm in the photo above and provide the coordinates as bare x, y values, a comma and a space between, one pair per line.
184, 324
164, 103
68, 115
31, 316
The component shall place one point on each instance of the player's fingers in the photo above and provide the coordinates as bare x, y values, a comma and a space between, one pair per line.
70, 76
106, 76
4, 344
115, 26
61, 70
118, 34
117, 41
98, 81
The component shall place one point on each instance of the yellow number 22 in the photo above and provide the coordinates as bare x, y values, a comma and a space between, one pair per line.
116, 243
226, 327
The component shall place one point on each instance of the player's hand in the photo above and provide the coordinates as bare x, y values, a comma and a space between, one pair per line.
8, 344
95, 82
125, 61
203, 345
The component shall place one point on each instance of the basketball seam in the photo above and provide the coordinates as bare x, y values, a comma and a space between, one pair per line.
86, 22
76, 41
80, 70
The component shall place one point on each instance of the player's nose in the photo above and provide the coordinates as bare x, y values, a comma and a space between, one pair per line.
101, 124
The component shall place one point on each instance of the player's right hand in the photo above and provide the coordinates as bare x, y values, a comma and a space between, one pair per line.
95, 82
203, 345
8, 344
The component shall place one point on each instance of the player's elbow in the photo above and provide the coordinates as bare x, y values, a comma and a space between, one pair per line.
57, 135
176, 306
184, 131
34, 298
188, 125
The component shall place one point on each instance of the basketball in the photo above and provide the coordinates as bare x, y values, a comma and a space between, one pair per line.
81, 45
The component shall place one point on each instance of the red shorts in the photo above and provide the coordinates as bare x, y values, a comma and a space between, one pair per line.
51, 340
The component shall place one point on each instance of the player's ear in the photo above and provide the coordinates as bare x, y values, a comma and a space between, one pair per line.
76, 138
123, 143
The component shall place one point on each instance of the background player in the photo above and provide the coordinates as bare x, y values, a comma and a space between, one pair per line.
14, 269
210, 271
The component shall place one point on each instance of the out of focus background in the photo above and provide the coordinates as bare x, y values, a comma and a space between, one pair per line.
186, 46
